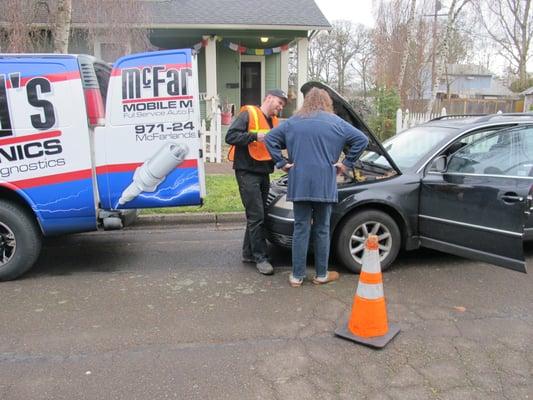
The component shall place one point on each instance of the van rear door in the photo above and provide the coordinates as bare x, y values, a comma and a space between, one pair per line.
44, 140
149, 152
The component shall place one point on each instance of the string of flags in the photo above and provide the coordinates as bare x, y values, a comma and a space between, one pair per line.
242, 49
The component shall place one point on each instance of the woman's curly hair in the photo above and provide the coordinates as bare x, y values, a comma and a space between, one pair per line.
315, 100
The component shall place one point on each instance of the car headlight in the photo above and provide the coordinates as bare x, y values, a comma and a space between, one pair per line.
283, 203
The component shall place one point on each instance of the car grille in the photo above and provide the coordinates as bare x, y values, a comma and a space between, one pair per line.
271, 197
279, 239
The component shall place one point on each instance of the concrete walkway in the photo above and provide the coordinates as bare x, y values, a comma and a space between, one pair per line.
224, 167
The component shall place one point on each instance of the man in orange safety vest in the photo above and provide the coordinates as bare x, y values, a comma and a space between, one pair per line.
253, 165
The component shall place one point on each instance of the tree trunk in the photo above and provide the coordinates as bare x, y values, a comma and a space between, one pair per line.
62, 26
524, 43
410, 36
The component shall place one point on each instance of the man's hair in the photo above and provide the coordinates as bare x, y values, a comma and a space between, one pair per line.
315, 100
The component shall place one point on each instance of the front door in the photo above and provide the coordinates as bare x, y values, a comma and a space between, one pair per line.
250, 83
476, 208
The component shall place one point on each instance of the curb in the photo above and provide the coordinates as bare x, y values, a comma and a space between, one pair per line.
145, 220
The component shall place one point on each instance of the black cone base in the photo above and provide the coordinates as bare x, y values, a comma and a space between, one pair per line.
376, 341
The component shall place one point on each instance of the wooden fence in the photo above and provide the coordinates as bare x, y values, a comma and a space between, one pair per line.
466, 106
406, 119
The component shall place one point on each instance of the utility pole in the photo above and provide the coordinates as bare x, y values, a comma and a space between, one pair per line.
435, 47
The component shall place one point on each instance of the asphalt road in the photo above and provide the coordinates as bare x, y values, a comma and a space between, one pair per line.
173, 313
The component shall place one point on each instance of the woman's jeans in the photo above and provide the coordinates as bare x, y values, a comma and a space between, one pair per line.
319, 214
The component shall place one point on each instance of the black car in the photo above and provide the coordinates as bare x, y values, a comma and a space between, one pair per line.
458, 184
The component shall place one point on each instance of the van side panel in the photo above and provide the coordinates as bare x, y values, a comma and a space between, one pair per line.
44, 140
148, 154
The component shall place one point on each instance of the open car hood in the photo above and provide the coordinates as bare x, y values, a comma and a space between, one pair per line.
344, 110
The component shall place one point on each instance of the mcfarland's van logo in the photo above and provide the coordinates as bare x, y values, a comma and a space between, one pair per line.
32, 151
43, 119
163, 87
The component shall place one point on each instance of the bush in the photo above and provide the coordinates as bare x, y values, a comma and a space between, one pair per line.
383, 121
518, 86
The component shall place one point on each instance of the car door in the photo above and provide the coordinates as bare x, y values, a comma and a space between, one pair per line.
477, 206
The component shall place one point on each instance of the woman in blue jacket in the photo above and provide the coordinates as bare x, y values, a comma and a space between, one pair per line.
314, 138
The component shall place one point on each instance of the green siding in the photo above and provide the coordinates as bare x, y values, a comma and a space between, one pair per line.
272, 71
228, 71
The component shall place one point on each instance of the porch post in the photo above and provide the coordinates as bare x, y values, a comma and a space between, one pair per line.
303, 45
211, 71
284, 76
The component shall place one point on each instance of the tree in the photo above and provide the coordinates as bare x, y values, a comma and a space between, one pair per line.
410, 27
519, 85
402, 42
383, 121
62, 26
123, 22
47, 26
332, 54
509, 23
362, 63
21, 34
347, 38
320, 65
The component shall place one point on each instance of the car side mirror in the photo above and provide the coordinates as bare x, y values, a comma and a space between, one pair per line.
439, 164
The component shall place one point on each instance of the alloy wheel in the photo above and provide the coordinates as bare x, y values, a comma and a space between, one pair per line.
8, 244
361, 233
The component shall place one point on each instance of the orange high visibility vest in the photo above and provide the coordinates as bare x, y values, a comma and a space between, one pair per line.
257, 123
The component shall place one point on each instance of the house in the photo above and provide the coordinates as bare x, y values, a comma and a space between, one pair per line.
245, 47
528, 99
469, 81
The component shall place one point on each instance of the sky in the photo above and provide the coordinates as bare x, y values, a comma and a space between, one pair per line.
358, 11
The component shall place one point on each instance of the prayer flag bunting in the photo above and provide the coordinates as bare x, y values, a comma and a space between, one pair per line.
242, 49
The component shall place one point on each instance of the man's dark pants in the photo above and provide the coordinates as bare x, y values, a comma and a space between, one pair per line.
254, 193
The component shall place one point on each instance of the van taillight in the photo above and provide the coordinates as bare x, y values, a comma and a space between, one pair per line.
91, 89
95, 107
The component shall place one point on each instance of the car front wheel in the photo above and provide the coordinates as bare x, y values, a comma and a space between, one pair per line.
355, 230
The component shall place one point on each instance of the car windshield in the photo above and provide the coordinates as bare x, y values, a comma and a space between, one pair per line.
408, 147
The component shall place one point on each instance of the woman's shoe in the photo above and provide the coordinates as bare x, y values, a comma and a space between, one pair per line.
330, 277
295, 282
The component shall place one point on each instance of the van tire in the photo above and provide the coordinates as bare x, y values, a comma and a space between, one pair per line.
352, 226
20, 240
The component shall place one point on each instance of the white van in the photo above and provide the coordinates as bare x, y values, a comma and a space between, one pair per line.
80, 142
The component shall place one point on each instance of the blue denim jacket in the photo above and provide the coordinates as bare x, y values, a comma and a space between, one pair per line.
314, 144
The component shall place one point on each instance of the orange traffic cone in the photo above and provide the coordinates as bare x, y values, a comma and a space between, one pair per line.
368, 321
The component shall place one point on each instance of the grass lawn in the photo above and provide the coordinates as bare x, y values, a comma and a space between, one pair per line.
222, 196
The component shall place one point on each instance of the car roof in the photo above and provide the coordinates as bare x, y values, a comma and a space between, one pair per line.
465, 122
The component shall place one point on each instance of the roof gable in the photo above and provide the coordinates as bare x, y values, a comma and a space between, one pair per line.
283, 13
468, 69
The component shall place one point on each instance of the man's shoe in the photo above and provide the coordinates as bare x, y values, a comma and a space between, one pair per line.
265, 267
330, 277
248, 260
